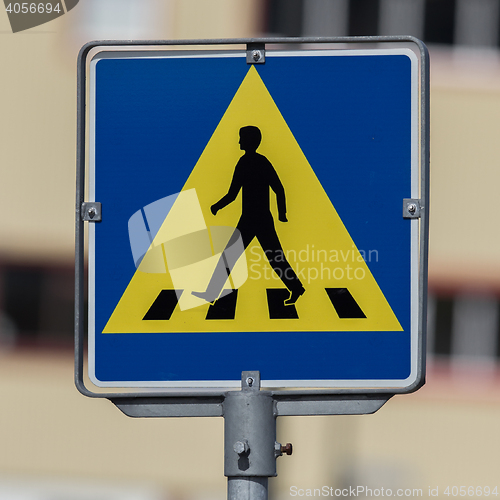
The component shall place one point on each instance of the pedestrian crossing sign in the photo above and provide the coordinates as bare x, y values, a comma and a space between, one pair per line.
252, 212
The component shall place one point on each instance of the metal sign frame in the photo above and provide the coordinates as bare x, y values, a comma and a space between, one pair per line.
172, 402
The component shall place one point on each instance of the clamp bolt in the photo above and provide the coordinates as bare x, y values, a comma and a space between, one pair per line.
92, 212
256, 55
412, 208
241, 447
282, 449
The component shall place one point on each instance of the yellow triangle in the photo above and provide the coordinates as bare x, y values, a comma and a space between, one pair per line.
317, 244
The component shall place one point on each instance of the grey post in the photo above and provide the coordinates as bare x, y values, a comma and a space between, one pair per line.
250, 447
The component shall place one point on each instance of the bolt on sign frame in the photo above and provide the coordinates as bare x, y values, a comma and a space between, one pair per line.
352, 114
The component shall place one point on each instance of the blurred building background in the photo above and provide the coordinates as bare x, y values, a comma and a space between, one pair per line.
56, 444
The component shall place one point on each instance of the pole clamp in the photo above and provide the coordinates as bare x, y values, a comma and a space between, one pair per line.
411, 208
256, 53
91, 211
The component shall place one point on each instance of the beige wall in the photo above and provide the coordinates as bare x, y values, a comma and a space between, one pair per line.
37, 130
216, 18
465, 153
49, 429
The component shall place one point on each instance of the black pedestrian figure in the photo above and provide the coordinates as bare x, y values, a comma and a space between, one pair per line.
254, 175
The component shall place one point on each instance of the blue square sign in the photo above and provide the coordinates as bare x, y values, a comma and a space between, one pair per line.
263, 216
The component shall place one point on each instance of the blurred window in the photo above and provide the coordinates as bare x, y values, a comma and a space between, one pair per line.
465, 326
439, 21
284, 17
37, 301
442, 326
401, 18
477, 23
325, 18
363, 17
22, 296
475, 320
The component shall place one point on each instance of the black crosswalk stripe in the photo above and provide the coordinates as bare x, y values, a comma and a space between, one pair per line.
224, 308
344, 303
276, 304
164, 305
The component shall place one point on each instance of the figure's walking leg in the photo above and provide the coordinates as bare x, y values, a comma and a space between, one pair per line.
273, 250
233, 251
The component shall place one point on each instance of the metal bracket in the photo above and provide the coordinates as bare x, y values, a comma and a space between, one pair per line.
411, 208
339, 404
249, 430
91, 211
199, 406
256, 53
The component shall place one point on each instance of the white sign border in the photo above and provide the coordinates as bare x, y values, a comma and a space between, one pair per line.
414, 264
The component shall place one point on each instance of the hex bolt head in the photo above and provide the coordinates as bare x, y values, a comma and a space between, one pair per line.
287, 449
412, 208
92, 212
241, 447
250, 381
256, 55
277, 449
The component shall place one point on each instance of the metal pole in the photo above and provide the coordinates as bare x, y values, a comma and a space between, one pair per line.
250, 447
247, 488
